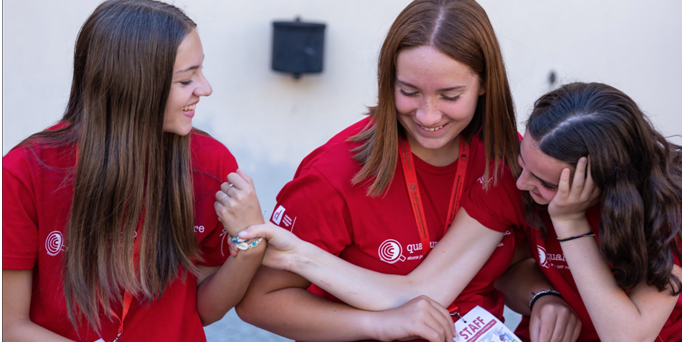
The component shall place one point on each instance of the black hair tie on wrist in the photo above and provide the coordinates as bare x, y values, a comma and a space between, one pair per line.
543, 293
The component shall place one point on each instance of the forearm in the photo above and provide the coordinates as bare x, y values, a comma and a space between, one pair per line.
220, 292
520, 282
16, 303
615, 315
27, 331
442, 276
296, 313
357, 286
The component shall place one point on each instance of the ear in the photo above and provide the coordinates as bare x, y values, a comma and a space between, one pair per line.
481, 91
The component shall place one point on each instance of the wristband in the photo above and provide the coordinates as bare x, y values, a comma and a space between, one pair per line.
243, 244
575, 237
543, 293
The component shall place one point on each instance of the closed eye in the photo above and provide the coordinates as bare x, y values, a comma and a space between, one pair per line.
405, 93
454, 98
547, 186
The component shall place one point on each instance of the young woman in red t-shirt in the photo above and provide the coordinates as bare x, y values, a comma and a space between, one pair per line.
109, 226
609, 240
442, 91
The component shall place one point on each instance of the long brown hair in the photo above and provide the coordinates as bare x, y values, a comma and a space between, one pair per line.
128, 172
638, 171
460, 29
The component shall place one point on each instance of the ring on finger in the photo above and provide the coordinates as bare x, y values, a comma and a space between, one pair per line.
222, 197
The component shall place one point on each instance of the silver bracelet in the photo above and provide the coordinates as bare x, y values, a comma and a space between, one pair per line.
543, 293
243, 244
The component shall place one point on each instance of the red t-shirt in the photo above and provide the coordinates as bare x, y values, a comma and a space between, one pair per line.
503, 209
321, 206
37, 199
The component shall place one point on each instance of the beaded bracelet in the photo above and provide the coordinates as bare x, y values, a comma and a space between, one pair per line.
542, 293
243, 244
575, 237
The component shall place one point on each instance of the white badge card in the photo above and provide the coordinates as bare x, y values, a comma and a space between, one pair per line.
481, 326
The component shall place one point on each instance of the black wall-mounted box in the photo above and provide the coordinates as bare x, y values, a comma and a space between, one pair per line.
298, 47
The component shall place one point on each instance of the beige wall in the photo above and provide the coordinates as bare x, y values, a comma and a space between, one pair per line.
271, 121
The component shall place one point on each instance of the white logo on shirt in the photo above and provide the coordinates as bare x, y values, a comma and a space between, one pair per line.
54, 243
543, 262
390, 251
278, 215
481, 179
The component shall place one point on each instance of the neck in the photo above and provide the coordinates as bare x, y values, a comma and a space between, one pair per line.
442, 156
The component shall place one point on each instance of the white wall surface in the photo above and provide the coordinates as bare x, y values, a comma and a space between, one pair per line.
270, 121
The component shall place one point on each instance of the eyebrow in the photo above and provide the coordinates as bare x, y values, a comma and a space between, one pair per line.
194, 67
440, 90
547, 184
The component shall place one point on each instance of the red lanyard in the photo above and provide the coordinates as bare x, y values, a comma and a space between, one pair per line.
126, 305
414, 194
128, 298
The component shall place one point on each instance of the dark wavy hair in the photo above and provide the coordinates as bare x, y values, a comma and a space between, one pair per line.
637, 170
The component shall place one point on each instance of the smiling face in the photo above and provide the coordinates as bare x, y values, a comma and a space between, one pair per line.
540, 173
436, 97
188, 84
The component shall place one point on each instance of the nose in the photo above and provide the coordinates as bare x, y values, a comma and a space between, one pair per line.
428, 114
203, 88
523, 182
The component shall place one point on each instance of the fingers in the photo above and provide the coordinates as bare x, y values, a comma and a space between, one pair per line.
564, 183
576, 331
534, 328
579, 178
571, 332
445, 317
591, 191
440, 321
220, 196
244, 176
559, 330
240, 182
265, 231
546, 329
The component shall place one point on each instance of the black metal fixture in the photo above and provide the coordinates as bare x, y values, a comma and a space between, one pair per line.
298, 47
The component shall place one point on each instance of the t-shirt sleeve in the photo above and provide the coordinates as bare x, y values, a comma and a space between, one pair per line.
497, 208
219, 162
314, 210
19, 221
214, 248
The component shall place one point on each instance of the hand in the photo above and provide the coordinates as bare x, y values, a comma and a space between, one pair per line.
571, 202
553, 320
237, 205
421, 317
282, 244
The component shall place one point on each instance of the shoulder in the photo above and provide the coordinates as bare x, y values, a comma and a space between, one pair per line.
209, 154
334, 160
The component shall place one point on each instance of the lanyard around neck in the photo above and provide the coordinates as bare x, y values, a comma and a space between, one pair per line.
411, 179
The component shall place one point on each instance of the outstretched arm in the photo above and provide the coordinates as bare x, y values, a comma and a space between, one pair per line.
279, 302
454, 261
